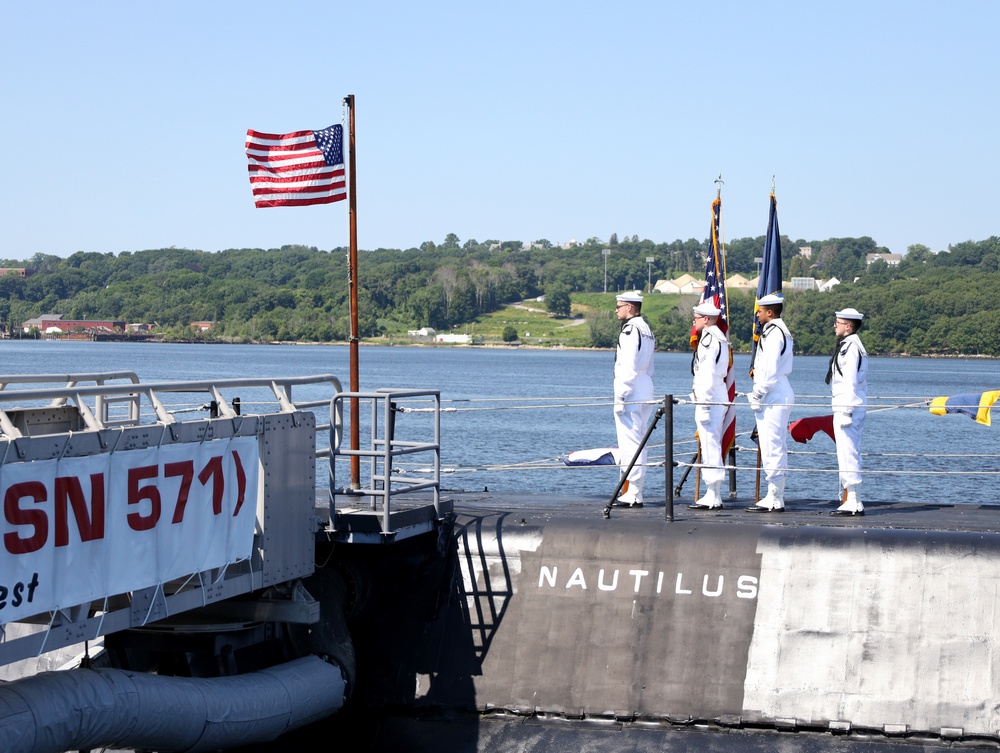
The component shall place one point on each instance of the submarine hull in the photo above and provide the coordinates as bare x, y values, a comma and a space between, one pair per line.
536, 615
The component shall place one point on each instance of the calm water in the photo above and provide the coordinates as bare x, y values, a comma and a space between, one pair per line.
512, 413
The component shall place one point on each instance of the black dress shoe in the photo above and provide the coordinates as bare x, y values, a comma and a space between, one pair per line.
704, 507
758, 508
845, 513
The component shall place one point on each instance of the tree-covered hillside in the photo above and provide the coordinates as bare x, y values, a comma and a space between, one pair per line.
930, 303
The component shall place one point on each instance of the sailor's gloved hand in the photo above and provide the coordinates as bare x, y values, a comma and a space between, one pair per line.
619, 405
692, 398
843, 419
754, 402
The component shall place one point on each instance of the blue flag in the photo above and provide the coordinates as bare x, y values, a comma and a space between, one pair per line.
770, 273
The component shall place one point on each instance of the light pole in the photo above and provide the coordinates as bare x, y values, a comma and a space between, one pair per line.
649, 273
604, 253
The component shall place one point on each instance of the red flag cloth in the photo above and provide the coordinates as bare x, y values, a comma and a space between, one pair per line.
297, 169
805, 429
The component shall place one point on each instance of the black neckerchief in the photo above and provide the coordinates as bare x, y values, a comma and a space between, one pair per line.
694, 355
624, 325
619, 343
833, 359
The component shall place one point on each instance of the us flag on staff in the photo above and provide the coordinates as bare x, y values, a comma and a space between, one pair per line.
715, 291
297, 169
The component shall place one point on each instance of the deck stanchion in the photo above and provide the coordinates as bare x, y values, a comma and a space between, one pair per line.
635, 458
732, 472
756, 488
680, 484
668, 461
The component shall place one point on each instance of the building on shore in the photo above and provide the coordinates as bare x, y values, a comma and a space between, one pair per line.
54, 324
453, 339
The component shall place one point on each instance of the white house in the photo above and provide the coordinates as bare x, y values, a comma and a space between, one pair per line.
892, 260
454, 339
803, 283
684, 284
739, 282
826, 287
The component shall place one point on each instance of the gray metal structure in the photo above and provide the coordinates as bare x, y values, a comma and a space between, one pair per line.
69, 416
380, 521
112, 411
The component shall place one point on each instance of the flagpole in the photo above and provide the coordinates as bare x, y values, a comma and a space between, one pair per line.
352, 284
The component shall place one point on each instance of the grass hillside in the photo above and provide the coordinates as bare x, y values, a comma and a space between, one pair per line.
536, 327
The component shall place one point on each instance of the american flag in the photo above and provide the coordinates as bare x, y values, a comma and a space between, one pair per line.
297, 169
715, 291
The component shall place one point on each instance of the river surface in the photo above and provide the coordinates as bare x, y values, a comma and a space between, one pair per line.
511, 413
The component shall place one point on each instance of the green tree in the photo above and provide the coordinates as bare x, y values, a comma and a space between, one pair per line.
509, 334
799, 267
427, 306
740, 306
740, 255
557, 299
604, 330
916, 254
673, 329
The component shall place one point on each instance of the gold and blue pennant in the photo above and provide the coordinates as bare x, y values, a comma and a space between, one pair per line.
975, 406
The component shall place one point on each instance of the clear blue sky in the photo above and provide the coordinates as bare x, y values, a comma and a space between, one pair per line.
124, 122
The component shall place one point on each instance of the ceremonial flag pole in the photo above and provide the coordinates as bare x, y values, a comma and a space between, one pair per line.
352, 282
304, 168
770, 273
769, 282
715, 291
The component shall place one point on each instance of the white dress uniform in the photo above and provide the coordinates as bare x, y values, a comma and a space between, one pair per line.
772, 397
710, 365
633, 387
850, 392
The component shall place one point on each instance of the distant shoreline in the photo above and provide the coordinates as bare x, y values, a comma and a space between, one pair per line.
401, 344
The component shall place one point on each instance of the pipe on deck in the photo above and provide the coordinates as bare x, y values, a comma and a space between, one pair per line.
94, 708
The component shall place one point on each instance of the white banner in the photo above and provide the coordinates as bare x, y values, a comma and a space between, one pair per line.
79, 529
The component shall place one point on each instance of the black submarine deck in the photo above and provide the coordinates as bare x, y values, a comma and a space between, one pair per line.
504, 729
903, 515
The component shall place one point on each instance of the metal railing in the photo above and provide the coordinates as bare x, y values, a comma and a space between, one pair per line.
78, 419
96, 414
104, 406
383, 481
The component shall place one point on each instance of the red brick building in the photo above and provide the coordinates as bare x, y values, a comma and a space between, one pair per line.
54, 323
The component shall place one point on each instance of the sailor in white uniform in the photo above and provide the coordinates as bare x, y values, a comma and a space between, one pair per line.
633, 387
848, 380
772, 399
709, 366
